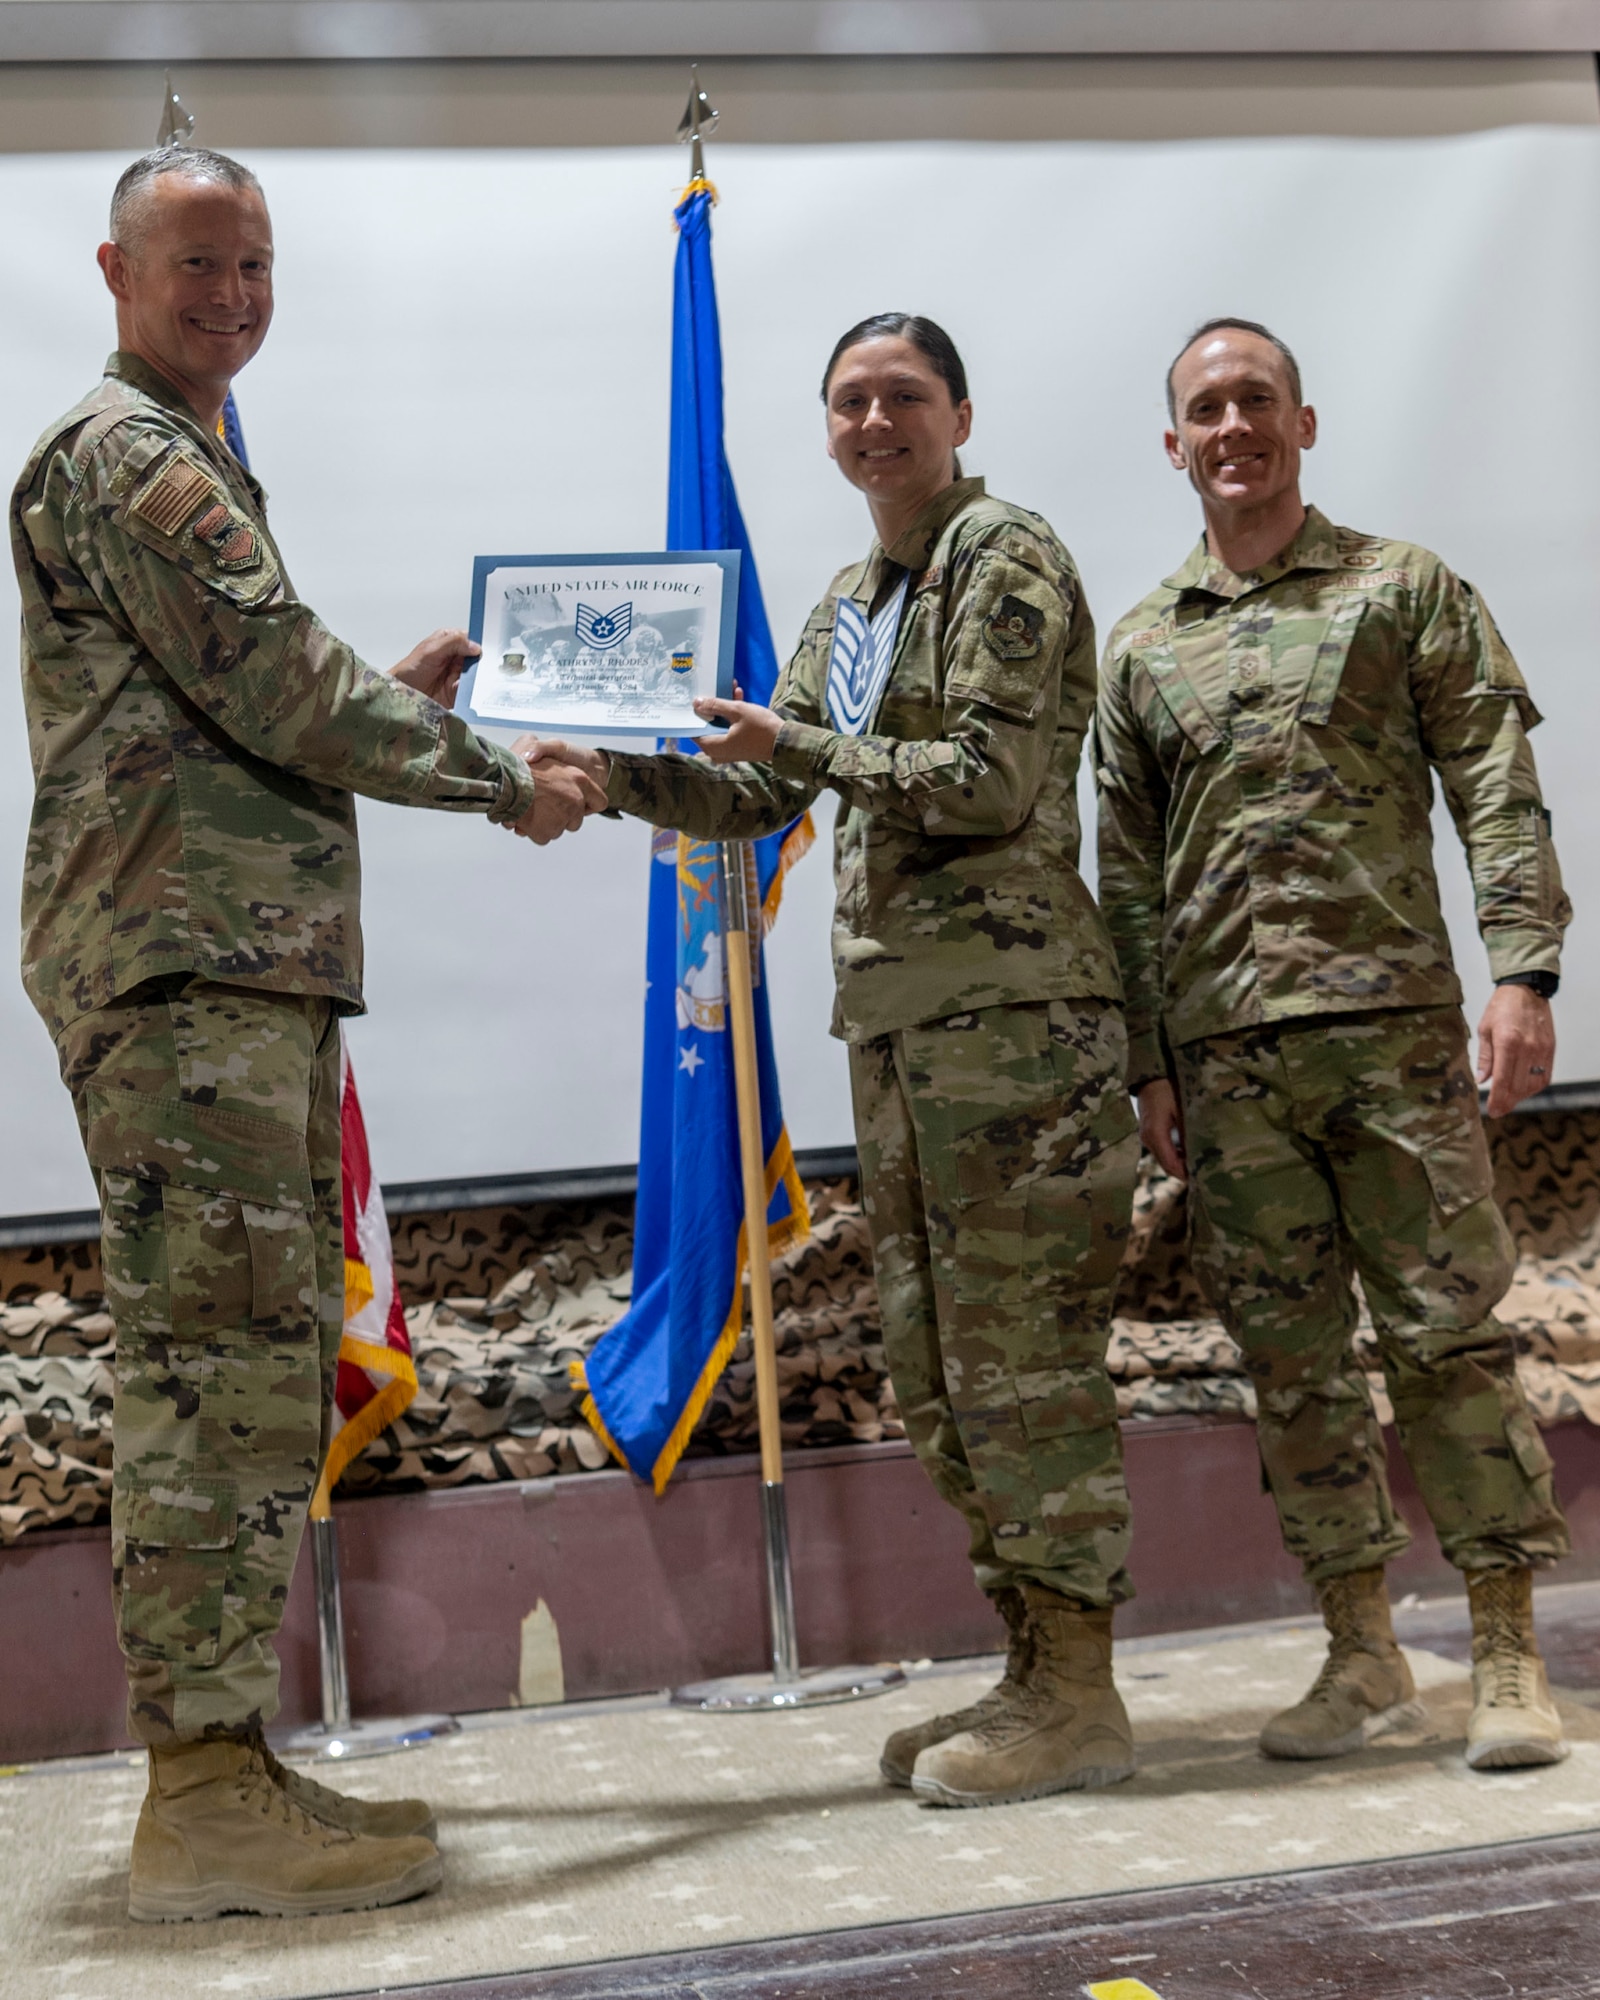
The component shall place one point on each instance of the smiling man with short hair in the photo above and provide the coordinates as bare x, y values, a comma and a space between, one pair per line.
191, 912
1270, 722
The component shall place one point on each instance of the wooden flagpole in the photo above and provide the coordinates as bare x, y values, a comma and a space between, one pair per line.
739, 955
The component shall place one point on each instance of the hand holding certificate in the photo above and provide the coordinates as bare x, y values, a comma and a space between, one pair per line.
601, 645
750, 733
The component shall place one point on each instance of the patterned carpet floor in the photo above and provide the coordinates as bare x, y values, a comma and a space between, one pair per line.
578, 1834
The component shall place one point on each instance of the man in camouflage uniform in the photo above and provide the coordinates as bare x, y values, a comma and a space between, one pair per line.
1269, 722
192, 938
979, 998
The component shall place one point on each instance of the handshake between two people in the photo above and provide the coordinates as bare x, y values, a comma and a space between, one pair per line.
572, 783
569, 778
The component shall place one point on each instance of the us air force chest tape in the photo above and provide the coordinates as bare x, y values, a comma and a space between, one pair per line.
858, 665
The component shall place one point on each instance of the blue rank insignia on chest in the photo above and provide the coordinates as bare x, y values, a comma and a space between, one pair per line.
859, 663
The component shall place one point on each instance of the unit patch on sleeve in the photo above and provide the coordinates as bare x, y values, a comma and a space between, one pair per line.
231, 541
172, 496
1012, 630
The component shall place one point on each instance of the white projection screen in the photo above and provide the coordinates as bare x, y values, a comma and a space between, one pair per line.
471, 355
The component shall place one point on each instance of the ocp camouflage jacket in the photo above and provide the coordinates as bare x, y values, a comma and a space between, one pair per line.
1265, 745
956, 855
196, 731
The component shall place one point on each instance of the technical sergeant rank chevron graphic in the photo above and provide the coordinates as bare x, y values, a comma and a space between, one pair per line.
601, 630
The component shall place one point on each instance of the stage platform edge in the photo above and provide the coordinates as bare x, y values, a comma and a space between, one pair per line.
640, 1595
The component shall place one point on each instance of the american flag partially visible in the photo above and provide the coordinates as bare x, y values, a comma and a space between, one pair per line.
377, 1376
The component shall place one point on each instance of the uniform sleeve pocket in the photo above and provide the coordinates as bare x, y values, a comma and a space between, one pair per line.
1008, 640
1541, 875
182, 513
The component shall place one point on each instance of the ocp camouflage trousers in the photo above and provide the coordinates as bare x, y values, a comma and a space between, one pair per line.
997, 1163
1352, 1143
210, 1117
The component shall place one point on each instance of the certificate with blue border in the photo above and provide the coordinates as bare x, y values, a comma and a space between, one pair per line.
613, 645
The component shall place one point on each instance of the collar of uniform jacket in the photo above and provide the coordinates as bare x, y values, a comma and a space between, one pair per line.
916, 544
138, 374
1313, 548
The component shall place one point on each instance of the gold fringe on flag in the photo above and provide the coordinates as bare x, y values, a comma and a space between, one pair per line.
358, 1289
793, 1228
797, 844
375, 1415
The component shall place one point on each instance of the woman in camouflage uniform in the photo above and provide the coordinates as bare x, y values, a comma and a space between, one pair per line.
942, 687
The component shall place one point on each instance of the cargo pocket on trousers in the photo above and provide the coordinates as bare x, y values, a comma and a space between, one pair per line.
1528, 1447
220, 1382
1036, 1262
1456, 1162
1051, 1141
237, 1211
1065, 1402
177, 1539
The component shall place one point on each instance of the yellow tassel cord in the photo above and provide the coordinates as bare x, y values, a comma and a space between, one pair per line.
798, 843
358, 1431
698, 186
795, 1227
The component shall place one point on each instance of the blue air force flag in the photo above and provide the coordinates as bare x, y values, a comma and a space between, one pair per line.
648, 1378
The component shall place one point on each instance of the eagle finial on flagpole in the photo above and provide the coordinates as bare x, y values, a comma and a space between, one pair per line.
177, 122
699, 117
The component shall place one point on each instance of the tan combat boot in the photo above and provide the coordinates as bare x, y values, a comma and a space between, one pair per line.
1365, 1686
389, 1819
216, 1834
903, 1748
1064, 1730
1513, 1720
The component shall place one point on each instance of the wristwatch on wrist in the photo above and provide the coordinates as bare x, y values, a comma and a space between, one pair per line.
1545, 984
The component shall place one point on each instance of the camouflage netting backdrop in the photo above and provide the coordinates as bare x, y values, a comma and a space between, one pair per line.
501, 1300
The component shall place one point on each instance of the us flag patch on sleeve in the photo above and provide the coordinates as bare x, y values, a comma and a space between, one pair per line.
172, 496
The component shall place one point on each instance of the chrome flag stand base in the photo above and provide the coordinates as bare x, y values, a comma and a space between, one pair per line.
368, 1739
740, 1694
787, 1686
339, 1739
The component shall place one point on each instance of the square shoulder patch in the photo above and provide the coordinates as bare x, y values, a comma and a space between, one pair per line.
174, 494
1013, 629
